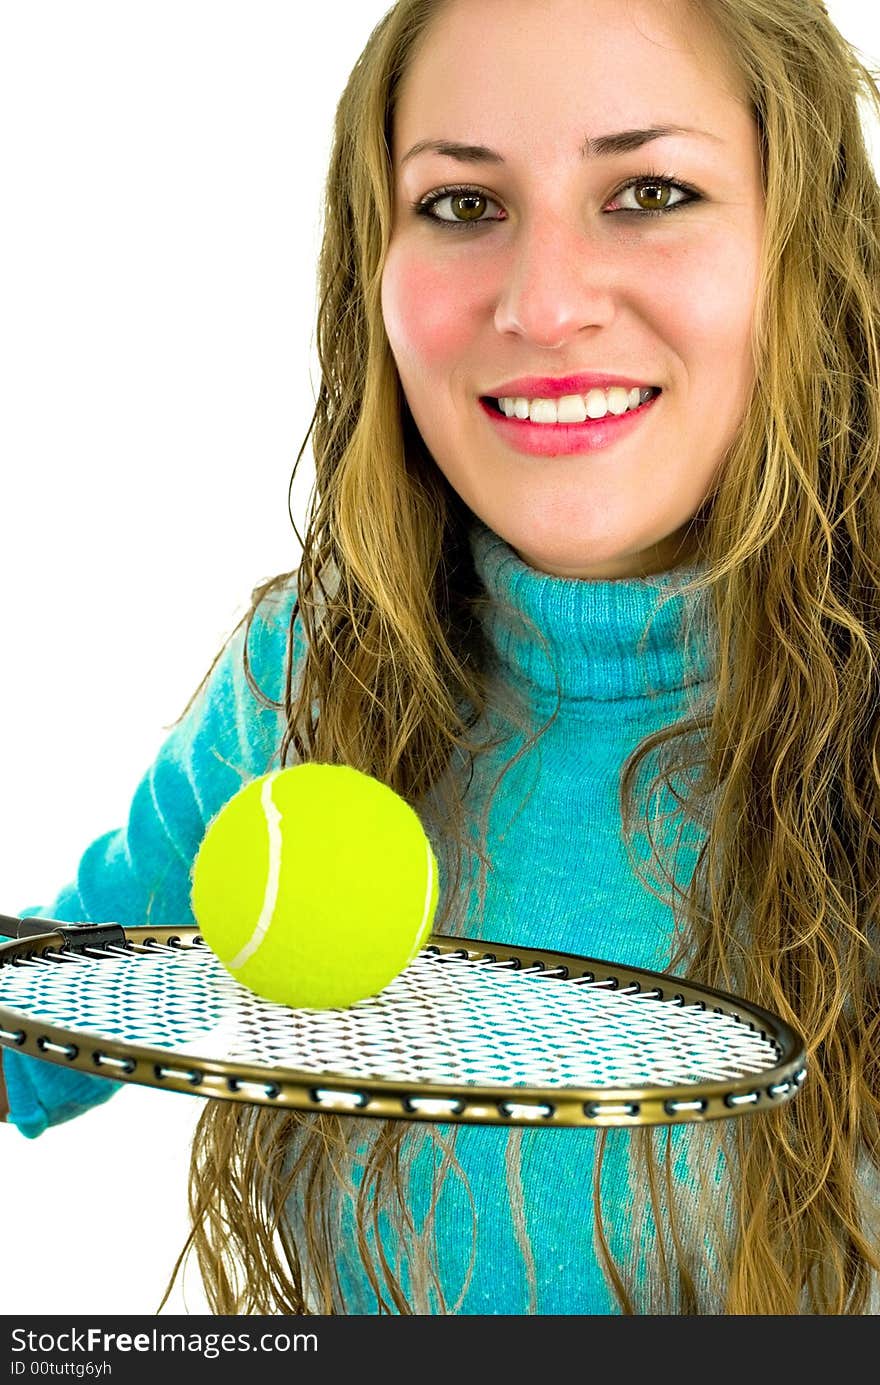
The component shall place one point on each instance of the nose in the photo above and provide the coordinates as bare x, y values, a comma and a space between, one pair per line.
556, 282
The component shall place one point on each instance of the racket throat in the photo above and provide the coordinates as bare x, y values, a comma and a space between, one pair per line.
76, 935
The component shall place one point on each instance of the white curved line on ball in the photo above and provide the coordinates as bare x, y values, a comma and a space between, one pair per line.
270, 898
429, 886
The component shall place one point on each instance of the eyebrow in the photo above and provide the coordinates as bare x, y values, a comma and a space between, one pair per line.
600, 147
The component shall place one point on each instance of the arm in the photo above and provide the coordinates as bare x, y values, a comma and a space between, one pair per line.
140, 873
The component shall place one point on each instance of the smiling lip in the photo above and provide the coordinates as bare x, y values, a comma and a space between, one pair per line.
566, 439
547, 387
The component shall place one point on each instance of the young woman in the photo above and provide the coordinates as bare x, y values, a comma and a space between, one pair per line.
596, 453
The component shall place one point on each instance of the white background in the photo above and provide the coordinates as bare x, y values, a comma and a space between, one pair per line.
161, 167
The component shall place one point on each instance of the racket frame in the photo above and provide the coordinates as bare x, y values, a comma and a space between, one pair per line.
427, 1101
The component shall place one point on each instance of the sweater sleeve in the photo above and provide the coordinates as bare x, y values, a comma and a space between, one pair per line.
140, 873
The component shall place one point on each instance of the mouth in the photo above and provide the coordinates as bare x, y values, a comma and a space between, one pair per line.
566, 439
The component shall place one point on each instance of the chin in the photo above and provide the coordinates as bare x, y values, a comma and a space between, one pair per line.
577, 566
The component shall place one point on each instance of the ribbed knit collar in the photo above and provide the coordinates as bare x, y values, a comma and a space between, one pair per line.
593, 629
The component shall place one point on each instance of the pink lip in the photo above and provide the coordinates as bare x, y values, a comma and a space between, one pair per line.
566, 439
547, 387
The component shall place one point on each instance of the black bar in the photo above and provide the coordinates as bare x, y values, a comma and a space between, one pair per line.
296, 1349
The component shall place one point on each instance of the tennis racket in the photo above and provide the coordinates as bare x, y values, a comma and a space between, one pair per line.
471, 1032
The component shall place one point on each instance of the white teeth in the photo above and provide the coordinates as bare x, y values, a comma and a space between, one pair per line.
543, 411
597, 404
571, 409
576, 408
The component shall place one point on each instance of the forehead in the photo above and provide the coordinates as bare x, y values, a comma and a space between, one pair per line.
532, 71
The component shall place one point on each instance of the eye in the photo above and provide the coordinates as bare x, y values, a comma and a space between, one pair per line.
658, 188
468, 201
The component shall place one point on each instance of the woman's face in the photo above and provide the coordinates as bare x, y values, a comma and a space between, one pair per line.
549, 263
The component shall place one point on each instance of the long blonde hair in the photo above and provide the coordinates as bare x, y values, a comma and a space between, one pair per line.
784, 902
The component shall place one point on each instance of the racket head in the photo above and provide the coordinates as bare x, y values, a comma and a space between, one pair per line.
113, 1037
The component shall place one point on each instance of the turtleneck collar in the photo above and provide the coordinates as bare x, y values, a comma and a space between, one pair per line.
592, 629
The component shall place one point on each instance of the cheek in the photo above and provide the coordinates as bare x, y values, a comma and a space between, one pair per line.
706, 301
430, 312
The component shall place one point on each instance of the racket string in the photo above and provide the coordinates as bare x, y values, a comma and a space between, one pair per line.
447, 1018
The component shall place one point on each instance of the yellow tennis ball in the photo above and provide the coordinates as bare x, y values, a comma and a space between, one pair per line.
315, 885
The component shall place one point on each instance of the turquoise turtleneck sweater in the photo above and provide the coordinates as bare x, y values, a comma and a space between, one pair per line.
559, 879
